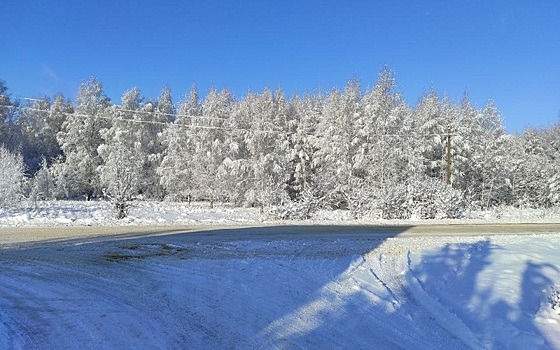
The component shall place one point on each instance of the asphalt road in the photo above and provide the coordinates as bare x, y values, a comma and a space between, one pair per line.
17, 236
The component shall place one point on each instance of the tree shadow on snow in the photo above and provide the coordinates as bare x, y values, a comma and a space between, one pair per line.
232, 284
443, 304
363, 307
498, 318
306, 287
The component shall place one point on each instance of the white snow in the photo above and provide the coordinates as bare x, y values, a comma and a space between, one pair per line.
273, 287
99, 213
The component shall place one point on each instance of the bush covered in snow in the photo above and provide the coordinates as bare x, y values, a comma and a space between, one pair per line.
12, 177
300, 209
423, 198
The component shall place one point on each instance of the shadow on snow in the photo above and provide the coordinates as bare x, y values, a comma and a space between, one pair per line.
292, 287
454, 275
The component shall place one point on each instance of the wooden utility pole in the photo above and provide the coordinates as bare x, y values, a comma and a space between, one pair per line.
448, 156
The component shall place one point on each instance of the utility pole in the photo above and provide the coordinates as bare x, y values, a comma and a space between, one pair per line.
448, 155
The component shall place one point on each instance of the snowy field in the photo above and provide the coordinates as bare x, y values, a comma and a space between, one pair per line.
276, 286
98, 213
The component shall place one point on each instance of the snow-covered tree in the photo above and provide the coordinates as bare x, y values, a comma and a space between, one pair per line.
175, 170
207, 133
337, 147
303, 146
4, 102
533, 164
5, 109
478, 154
56, 175
119, 172
39, 126
190, 106
80, 139
387, 142
43, 187
122, 152
268, 146
429, 138
151, 122
9, 130
235, 173
12, 177
494, 183
31, 123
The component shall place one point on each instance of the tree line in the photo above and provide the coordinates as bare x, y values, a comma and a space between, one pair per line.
366, 151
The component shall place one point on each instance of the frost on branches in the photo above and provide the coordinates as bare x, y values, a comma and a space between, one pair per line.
121, 155
80, 137
12, 177
362, 150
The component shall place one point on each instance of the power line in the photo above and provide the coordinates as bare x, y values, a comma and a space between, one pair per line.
200, 118
176, 115
137, 121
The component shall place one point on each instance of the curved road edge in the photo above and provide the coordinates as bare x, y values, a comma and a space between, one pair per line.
10, 236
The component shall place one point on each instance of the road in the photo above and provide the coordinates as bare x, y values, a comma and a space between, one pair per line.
22, 235
278, 287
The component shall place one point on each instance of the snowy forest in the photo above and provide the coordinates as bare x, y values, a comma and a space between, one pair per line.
363, 150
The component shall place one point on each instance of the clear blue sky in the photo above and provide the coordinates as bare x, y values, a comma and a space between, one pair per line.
507, 51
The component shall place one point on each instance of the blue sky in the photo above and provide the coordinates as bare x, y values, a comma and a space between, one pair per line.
507, 51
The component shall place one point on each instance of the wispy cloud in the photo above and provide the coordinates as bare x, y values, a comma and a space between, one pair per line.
50, 82
48, 72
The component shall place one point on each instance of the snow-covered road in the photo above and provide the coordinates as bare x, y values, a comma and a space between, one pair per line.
282, 287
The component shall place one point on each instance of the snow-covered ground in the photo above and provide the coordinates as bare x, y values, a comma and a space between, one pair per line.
276, 286
98, 213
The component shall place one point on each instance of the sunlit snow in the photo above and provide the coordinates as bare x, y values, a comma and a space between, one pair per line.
277, 286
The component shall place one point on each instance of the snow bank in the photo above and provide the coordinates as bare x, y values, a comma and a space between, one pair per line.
99, 213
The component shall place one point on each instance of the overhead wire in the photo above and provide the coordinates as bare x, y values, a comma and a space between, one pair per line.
154, 122
179, 117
